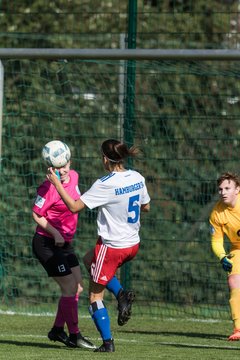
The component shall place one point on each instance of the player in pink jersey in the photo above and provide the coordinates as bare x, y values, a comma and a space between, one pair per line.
52, 245
120, 196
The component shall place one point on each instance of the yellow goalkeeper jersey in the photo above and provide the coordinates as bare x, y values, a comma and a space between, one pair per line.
225, 220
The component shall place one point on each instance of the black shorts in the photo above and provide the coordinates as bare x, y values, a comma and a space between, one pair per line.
57, 261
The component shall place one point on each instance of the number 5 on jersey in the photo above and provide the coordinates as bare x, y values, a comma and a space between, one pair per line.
133, 207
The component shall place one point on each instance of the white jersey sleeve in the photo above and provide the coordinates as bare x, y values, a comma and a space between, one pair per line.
97, 195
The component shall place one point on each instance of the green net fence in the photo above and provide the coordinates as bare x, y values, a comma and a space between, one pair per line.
185, 118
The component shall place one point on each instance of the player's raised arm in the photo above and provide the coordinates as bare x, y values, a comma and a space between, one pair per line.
73, 205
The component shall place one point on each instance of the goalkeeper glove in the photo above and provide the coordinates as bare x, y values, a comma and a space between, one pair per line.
227, 263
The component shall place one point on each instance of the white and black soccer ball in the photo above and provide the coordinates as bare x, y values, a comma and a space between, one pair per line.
56, 153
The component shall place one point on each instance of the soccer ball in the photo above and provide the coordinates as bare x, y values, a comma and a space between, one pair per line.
56, 153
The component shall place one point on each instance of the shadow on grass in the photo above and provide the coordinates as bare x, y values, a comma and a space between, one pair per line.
181, 344
39, 345
176, 333
198, 346
33, 344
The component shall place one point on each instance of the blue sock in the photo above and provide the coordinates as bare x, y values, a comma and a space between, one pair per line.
101, 319
114, 286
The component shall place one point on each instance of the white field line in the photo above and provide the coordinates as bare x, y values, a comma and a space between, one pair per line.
10, 312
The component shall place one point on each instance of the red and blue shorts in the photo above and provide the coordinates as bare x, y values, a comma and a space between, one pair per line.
106, 260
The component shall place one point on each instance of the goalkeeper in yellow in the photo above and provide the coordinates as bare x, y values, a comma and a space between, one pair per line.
225, 220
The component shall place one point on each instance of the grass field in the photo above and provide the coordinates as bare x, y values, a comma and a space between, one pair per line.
24, 337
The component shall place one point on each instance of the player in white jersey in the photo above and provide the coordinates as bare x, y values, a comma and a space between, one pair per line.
120, 197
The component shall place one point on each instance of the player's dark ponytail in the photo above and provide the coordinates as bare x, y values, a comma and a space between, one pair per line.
116, 151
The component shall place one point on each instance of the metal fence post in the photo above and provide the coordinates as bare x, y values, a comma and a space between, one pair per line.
129, 119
